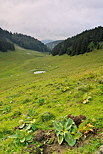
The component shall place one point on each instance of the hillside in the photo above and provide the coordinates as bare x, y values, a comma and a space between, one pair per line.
62, 90
6, 45
84, 42
52, 44
24, 41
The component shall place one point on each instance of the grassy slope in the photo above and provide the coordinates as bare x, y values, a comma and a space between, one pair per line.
66, 81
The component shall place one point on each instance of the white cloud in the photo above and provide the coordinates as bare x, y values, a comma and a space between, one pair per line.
50, 19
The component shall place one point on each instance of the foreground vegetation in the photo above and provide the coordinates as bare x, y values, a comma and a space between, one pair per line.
28, 101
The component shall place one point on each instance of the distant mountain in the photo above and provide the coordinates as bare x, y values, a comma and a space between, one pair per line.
46, 41
84, 42
52, 44
24, 41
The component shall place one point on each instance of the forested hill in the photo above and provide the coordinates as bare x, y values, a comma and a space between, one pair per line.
24, 41
5, 43
84, 42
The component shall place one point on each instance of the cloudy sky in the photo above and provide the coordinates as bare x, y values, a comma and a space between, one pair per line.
50, 19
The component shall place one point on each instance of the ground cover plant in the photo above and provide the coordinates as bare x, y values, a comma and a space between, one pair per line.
70, 86
67, 130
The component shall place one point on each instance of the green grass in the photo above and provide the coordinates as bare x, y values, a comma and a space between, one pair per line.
59, 91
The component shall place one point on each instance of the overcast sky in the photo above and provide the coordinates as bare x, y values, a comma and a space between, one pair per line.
50, 19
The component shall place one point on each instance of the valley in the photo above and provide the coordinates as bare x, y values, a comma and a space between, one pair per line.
60, 91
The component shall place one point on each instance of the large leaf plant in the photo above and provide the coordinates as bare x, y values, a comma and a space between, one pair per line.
68, 131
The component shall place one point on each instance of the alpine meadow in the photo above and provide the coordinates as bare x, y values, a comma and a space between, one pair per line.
51, 77
69, 86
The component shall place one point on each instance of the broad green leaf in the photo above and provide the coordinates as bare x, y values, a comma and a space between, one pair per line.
85, 101
89, 97
21, 126
74, 129
28, 137
70, 139
22, 140
28, 127
20, 121
33, 127
67, 134
20, 135
61, 126
60, 139
33, 121
57, 132
57, 126
13, 136
63, 123
69, 124
78, 135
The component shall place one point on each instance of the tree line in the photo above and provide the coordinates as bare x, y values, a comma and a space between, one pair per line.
84, 42
6, 45
8, 38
